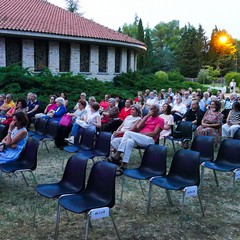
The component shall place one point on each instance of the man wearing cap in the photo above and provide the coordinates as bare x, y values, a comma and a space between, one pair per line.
148, 132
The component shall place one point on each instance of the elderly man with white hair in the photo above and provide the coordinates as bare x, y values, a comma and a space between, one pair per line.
149, 128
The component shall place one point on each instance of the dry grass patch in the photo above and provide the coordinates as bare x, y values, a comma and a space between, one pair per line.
220, 203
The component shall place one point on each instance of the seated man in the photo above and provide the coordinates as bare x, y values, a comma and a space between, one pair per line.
7, 105
194, 115
148, 129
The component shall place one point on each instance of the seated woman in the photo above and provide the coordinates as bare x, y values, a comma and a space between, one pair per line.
168, 121
211, 122
63, 131
19, 107
233, 121
129, 124
16, 138
59, 111
52, 104
109, 114
178, 109
90, 120
64, 96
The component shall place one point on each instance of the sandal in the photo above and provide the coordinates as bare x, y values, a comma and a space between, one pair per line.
120, 171
111, 159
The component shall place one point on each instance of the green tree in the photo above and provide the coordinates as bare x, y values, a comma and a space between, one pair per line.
140, 37
131, 29
222, 51
72, 5
165, 38
191, 50
148, 60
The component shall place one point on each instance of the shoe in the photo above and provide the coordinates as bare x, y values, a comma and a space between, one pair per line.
120, 171
70, 139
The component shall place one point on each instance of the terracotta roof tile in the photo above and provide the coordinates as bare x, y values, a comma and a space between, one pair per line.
43, 17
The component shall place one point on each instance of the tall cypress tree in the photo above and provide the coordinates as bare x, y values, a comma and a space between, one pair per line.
148, 59
140, 37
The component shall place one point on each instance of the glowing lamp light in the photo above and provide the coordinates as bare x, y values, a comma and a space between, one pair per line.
223, 39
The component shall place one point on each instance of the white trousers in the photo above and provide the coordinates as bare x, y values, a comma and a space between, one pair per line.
229, 130
115, 142
131, 140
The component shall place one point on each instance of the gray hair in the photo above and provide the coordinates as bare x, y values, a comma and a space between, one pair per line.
60, 100
111, 100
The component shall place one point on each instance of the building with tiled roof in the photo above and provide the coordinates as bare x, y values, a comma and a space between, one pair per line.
38, 34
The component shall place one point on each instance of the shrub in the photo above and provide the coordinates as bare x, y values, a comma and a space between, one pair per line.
232, 75
161, 75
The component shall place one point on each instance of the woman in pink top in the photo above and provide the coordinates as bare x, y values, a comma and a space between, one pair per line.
52, 105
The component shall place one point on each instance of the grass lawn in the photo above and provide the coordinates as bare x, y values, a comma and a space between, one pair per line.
221, 206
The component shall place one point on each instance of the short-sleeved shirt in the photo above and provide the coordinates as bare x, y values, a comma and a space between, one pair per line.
151, 123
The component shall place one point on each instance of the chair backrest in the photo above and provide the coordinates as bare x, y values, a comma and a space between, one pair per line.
205, 146
229, 151
101, 182
52, 129
154, 159
41, 125
75, 173
3, 131
87, 139
103, 143
29, 153
185, 167
237, 134
186, 129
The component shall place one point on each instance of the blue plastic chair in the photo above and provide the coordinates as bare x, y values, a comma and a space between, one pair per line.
73, 181
86, 143
227, 160
40, 128
183, 127
99, 192
183, 173
27, 161
205, 146
153, 164
101, 147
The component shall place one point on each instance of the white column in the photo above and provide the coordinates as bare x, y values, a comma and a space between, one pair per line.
2, 53
28, 54
75, 58
111, 61
132, 62
53, 63
124, 61
94, 60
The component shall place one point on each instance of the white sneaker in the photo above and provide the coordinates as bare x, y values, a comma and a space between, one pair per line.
70, 139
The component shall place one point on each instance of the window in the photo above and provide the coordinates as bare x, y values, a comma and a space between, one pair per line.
64, 57
84, 57
40, 55
13, 48
117, 60
128, 60
102, 59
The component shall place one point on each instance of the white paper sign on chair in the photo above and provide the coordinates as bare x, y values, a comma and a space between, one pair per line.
236, 174
99, 213
190, 191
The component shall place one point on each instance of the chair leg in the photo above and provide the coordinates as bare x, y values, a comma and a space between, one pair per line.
200, 202
169, 197
140, 153
215, 176
35, 209
149, 197
174, 149
57, 222
123, 178
182, 208
34, 178
87, 226
141, 187
25, 180
202, 176
115, 226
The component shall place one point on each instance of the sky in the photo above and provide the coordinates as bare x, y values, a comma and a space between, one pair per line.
208, 13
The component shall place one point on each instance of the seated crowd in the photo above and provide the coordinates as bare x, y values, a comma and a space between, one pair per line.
133, 123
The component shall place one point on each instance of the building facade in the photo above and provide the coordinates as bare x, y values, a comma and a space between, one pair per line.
44, 40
